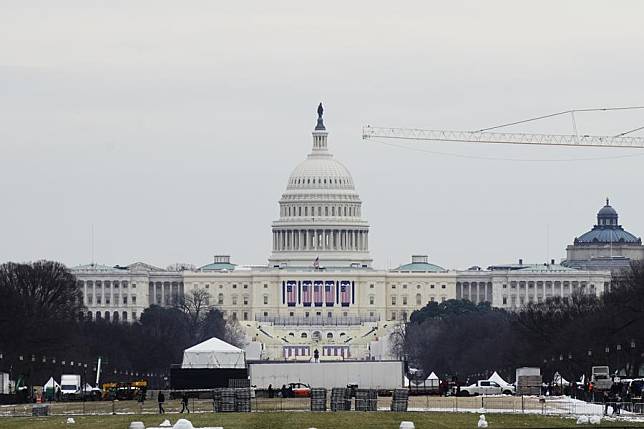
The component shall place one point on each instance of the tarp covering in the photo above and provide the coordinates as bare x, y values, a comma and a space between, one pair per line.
497, 378
213, 353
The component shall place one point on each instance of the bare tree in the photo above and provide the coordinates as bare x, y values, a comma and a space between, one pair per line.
195, 306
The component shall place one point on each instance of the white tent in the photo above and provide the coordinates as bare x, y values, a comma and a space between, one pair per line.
213, 353
405, 381
51, 384
559, 380
497, 379
432, 380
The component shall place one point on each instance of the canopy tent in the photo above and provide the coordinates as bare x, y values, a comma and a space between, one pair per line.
432, 376
497, 379
405, 381
213, 353
432, 380
51, 384
558, 379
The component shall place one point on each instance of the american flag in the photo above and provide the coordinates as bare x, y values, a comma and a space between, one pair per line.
317, 293
329, 293
316, 263
291, 293
306, 293
344, 294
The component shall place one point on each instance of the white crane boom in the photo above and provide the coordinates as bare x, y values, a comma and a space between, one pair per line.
369, 132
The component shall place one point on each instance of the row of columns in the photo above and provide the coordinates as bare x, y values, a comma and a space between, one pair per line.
320, 239
163, 292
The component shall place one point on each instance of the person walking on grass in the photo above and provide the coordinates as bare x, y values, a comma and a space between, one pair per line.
161, 400
184, 403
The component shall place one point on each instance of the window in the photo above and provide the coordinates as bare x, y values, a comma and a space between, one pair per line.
133, 315
245, 286
393, 315
443, 286
220, 299
505, 300
98, 300
125, 300
370, 286
404, 300
393, 300
90, 298
234, 286
265, 286
329, 314
133, 299
266, 314
371, 314
291, 314
133, 285
245, 315
124, 316
372, 299
265, 299
418, 299
245, 299
107, 300
393, 286
432, 286
306, 314
417, 286
329, 336
207, 286
234, 299
404, 286
234, 315
303, 335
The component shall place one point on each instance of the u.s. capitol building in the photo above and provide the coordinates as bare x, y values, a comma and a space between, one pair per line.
319, 290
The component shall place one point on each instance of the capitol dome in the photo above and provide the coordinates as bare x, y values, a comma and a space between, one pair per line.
320, 222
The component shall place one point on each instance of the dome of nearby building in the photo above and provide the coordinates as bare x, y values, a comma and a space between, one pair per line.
320, 222
607, 230
420, 264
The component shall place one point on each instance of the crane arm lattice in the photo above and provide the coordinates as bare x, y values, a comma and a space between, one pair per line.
369, 132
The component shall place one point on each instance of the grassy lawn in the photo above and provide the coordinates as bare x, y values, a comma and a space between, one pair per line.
304, 420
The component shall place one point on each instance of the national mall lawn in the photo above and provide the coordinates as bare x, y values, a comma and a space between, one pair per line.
305, 420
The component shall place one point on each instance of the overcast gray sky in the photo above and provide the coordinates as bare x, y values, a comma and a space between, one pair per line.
172, 127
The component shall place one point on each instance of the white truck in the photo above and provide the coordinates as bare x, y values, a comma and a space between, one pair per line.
601, 378
486, 387
70, 386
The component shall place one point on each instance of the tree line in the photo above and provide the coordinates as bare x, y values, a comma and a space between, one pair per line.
42, 325
568, 335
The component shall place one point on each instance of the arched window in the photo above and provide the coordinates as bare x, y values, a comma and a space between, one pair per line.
299, 211
89, 315
115, 316
107, 316
333, 211
124, 316
329, 336
326, 211
304, 335
306, 211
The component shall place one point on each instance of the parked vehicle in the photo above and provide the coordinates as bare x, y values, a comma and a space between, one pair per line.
486, 387
70, 386
300, 390
601, 378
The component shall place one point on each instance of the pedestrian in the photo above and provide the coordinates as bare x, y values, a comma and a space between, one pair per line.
270, 391
161, 399
184, 403
606, 400
284, 391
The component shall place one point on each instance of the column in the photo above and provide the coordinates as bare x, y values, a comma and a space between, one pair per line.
301, 235
163, 293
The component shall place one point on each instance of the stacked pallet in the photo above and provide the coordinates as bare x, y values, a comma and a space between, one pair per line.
242, 400
338, 399
366, 400
238, 382
227, 404
318, 399
400, 400
216, 400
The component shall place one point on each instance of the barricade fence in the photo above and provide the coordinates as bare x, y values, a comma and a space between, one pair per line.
366, 401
